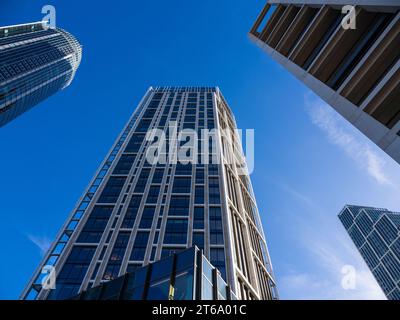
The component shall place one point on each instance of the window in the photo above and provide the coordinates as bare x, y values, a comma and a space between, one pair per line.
198, 239
210, 124
162, 270
387, 230
112, 271
112, 290
183, 169
153, 194
207, 286
182, 185
222, 288
199, 195
167, 252
95, 225
131, 212
132, 267
117, 255
198, 218
135, 143
190, 118
392, 266
143, 125
81, 254
357, 236
158, 175
147, 217
369, 256
396, 248
64, 291
199, 176
142, 181
214, 197
125, 164
346, 218
212, 169
73, 273
377, 244
364, 223
183, 286
383, 279
112, 190
139, 247
159, 290
77, 264
149, 113
122, 239
176, 231
216, 233
217, 257
179, 206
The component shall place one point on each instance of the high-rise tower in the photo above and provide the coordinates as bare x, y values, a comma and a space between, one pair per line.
137, 211
35, 62
376, 234
353, 67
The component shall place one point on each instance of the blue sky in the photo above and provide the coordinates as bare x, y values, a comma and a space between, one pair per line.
309, 162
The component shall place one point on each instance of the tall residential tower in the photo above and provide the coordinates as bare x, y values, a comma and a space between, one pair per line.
35, 62
376, 234
136, 211
356, 71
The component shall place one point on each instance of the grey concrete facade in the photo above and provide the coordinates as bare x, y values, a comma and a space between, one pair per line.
365, 114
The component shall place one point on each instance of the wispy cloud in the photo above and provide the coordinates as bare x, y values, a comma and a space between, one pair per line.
299, 196
43, 243
327, 249
329, 121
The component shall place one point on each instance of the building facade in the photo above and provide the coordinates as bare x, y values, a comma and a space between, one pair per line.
35, 62
376, 234
356, 71
137, 211
186, 275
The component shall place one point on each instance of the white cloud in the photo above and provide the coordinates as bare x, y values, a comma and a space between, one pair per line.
43, 243
330, 122
307, 286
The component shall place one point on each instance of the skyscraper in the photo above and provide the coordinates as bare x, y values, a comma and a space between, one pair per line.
356, 71
376, 234
35, 62
136, 210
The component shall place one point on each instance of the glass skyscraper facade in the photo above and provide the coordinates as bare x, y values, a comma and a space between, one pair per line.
376, 234
136, 212
35, 62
